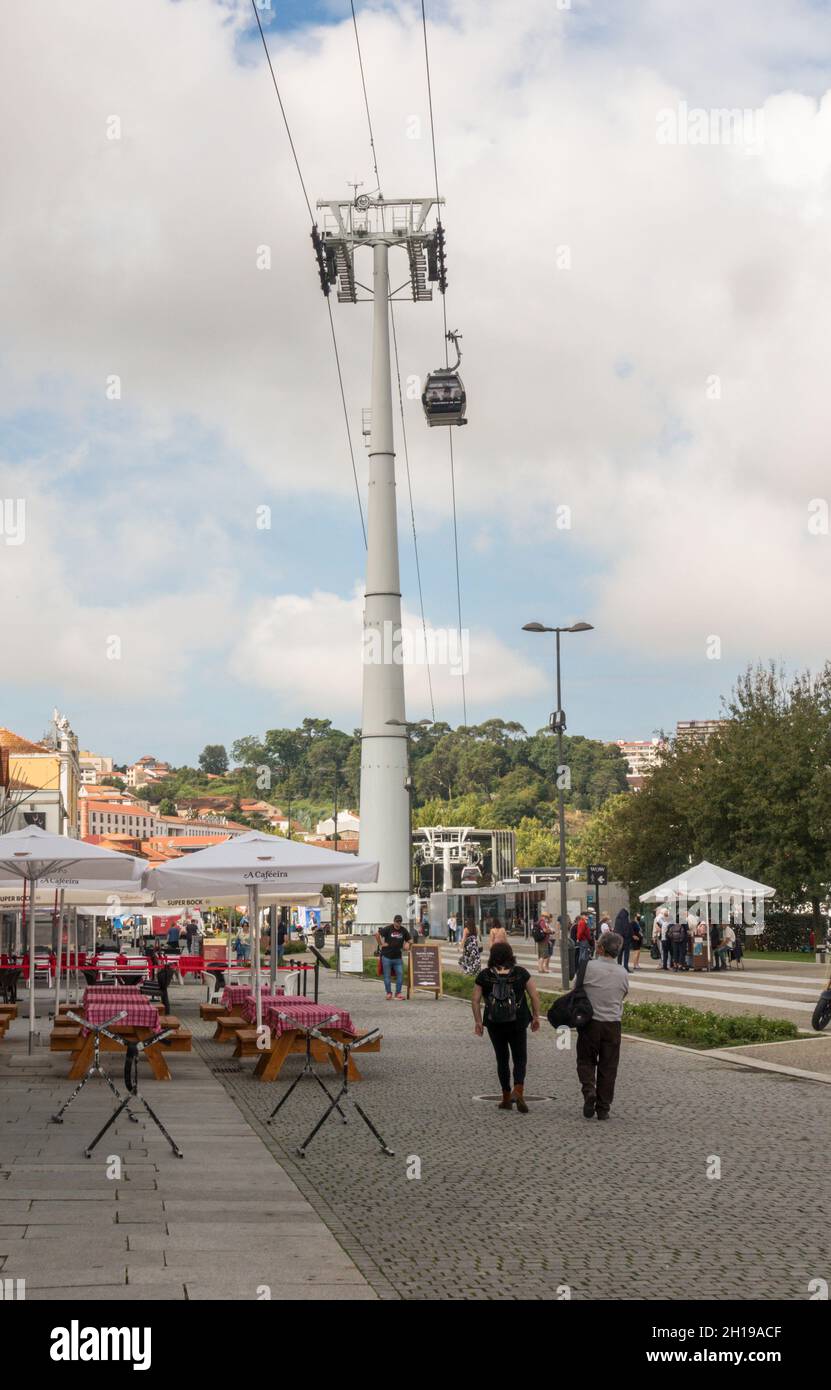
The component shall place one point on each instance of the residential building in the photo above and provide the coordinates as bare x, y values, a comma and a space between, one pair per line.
146, 770
41, 780
347, 820
177, 827
122, 795
94, 767
699, 729
641, 756
115, 818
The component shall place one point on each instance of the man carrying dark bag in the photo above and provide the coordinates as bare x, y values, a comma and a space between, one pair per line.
598, 1042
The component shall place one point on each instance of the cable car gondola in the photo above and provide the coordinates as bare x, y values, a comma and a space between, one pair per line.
471, 876
444, 397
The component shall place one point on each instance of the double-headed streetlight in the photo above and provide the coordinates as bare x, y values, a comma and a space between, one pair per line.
558, 724
409, 727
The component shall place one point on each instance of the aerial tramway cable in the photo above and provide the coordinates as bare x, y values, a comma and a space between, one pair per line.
314, 236
446, 352
398, 378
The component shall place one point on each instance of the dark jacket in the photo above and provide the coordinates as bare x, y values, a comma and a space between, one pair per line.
623, 925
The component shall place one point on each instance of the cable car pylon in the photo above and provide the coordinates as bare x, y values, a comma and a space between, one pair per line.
383, 224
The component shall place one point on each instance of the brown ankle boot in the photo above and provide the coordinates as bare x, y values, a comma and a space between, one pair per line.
518, 1095
506, 1101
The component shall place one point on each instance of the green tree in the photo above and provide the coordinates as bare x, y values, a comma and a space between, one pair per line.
214, 759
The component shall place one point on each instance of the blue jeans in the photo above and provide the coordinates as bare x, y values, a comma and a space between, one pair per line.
388, 967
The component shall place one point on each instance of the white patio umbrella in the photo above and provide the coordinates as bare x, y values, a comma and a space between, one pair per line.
258, 863
34, 854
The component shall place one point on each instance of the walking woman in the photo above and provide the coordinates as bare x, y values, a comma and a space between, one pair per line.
497, 933
637, 940
471, 958
541, 932
506, 989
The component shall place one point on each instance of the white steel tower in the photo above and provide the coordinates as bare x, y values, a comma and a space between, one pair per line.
348, 225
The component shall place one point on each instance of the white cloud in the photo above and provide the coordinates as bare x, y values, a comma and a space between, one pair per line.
137, 256
307, 650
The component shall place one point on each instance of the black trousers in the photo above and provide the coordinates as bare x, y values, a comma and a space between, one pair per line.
510, 1041
598, 1055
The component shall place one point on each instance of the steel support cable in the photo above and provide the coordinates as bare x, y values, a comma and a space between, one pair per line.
446, 351
328, 305
398, 378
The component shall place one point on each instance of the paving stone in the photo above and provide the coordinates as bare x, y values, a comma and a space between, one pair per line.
755, 1233
113, 1293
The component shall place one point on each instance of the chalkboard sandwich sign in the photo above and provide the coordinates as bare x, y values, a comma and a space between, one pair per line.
425, 967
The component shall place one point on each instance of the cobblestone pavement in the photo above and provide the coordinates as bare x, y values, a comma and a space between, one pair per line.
789, 991
511, 1206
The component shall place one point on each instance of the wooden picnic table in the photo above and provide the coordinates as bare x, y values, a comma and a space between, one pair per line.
130, 1032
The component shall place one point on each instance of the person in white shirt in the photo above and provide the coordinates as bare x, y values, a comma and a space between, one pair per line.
661, 926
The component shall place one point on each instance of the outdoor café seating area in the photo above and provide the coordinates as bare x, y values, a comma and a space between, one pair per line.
286, 1021
134, 1019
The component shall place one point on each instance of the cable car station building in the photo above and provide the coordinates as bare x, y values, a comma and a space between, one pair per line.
471, 874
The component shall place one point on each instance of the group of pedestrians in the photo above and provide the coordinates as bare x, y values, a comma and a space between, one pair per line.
674, 941
506, 1004
586, 933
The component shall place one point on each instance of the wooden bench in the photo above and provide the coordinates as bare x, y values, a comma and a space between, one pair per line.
182, 1041
227, 1027
8, 1011
66, 1039
211, 1012
247, 1043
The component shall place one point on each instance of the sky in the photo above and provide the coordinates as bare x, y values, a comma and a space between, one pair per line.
643, 291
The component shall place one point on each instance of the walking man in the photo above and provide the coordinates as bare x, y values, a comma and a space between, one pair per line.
393, 941
661, 927
598, 1044
623, 928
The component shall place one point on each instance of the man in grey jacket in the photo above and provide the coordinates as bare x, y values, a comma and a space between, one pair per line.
598, 1044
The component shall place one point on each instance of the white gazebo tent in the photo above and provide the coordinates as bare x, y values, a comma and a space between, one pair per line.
709, 885
34, 854
256, 863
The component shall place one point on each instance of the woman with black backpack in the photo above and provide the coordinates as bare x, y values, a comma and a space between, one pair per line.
506, 988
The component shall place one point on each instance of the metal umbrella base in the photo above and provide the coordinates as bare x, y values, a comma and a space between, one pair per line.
308, 1070
134, 1049
95, 1068
343, 1093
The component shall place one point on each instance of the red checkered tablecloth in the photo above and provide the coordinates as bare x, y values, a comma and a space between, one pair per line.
139, 1014
249, 1006
113, 994
236, 994
306, 1015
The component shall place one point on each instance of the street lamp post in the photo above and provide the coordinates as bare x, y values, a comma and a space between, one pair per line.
558, 724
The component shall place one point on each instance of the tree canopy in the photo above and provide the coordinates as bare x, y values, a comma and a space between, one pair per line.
754, 797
